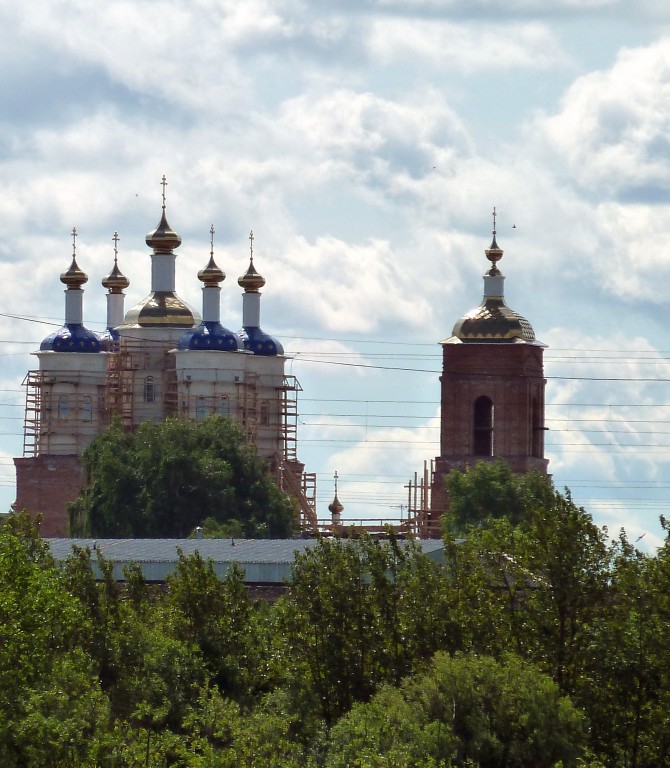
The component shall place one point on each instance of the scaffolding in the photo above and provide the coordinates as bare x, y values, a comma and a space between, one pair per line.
33, 415
118, 395
118, 390
247, 407
170, 385
289, 416
420, 521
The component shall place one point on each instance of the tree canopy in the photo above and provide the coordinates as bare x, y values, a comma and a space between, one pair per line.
539, 642
166, 478
491, 490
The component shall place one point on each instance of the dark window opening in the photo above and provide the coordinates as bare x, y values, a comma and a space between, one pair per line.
483, 426
149, 390
537, 438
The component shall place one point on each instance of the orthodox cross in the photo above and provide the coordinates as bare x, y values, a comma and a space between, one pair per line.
116, 245
251, 244
211, 241
74, 241
163, 184
494, 219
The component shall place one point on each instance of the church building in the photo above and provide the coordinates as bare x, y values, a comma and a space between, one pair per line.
492, 389
159, 358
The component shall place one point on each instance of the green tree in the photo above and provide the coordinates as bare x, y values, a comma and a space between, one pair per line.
166, 478
463, 711
490, 490
217, 617
626, 689
42, 631
359, 613
538, 588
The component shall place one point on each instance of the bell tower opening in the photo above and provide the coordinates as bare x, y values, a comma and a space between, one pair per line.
483, 427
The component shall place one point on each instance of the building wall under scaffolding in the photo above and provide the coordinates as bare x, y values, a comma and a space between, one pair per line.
73, 398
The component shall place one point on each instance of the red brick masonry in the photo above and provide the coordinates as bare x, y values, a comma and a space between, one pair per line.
44, 485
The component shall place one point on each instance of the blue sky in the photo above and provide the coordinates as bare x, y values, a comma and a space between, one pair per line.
366, 144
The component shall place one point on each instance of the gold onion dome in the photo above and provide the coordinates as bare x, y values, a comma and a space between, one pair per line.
162, 309
163, 239
493, 321
115, 281
335, 507
251, 280
211, 275
494, 253
74, 277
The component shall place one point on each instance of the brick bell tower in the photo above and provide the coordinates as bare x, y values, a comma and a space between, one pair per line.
492, 389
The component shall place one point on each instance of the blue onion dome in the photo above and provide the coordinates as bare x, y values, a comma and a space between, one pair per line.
210, 335
72, 337
251, 280
74, 277
260, 343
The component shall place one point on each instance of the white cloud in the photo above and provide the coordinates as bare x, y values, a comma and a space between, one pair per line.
464, 48
351, 288
612, 129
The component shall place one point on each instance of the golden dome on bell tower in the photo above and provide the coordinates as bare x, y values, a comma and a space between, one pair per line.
493, 321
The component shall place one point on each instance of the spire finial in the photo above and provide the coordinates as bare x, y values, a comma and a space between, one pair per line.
251, 244
163, 184
115, 281
211, 275
74, 277
335, 507
494, 253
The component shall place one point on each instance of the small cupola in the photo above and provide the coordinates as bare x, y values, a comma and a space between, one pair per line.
252, 336
493, 322
72, 336
210, 334
162, 308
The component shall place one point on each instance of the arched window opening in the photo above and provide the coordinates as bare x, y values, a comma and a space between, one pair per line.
63, 407
86, 409
483, 426
149, 390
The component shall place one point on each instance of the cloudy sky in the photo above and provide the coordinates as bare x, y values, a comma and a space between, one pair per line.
365, 142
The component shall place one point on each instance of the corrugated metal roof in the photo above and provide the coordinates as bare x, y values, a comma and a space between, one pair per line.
265, 561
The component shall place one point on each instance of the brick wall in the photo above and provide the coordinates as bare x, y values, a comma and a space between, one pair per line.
44, 485
512, 377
